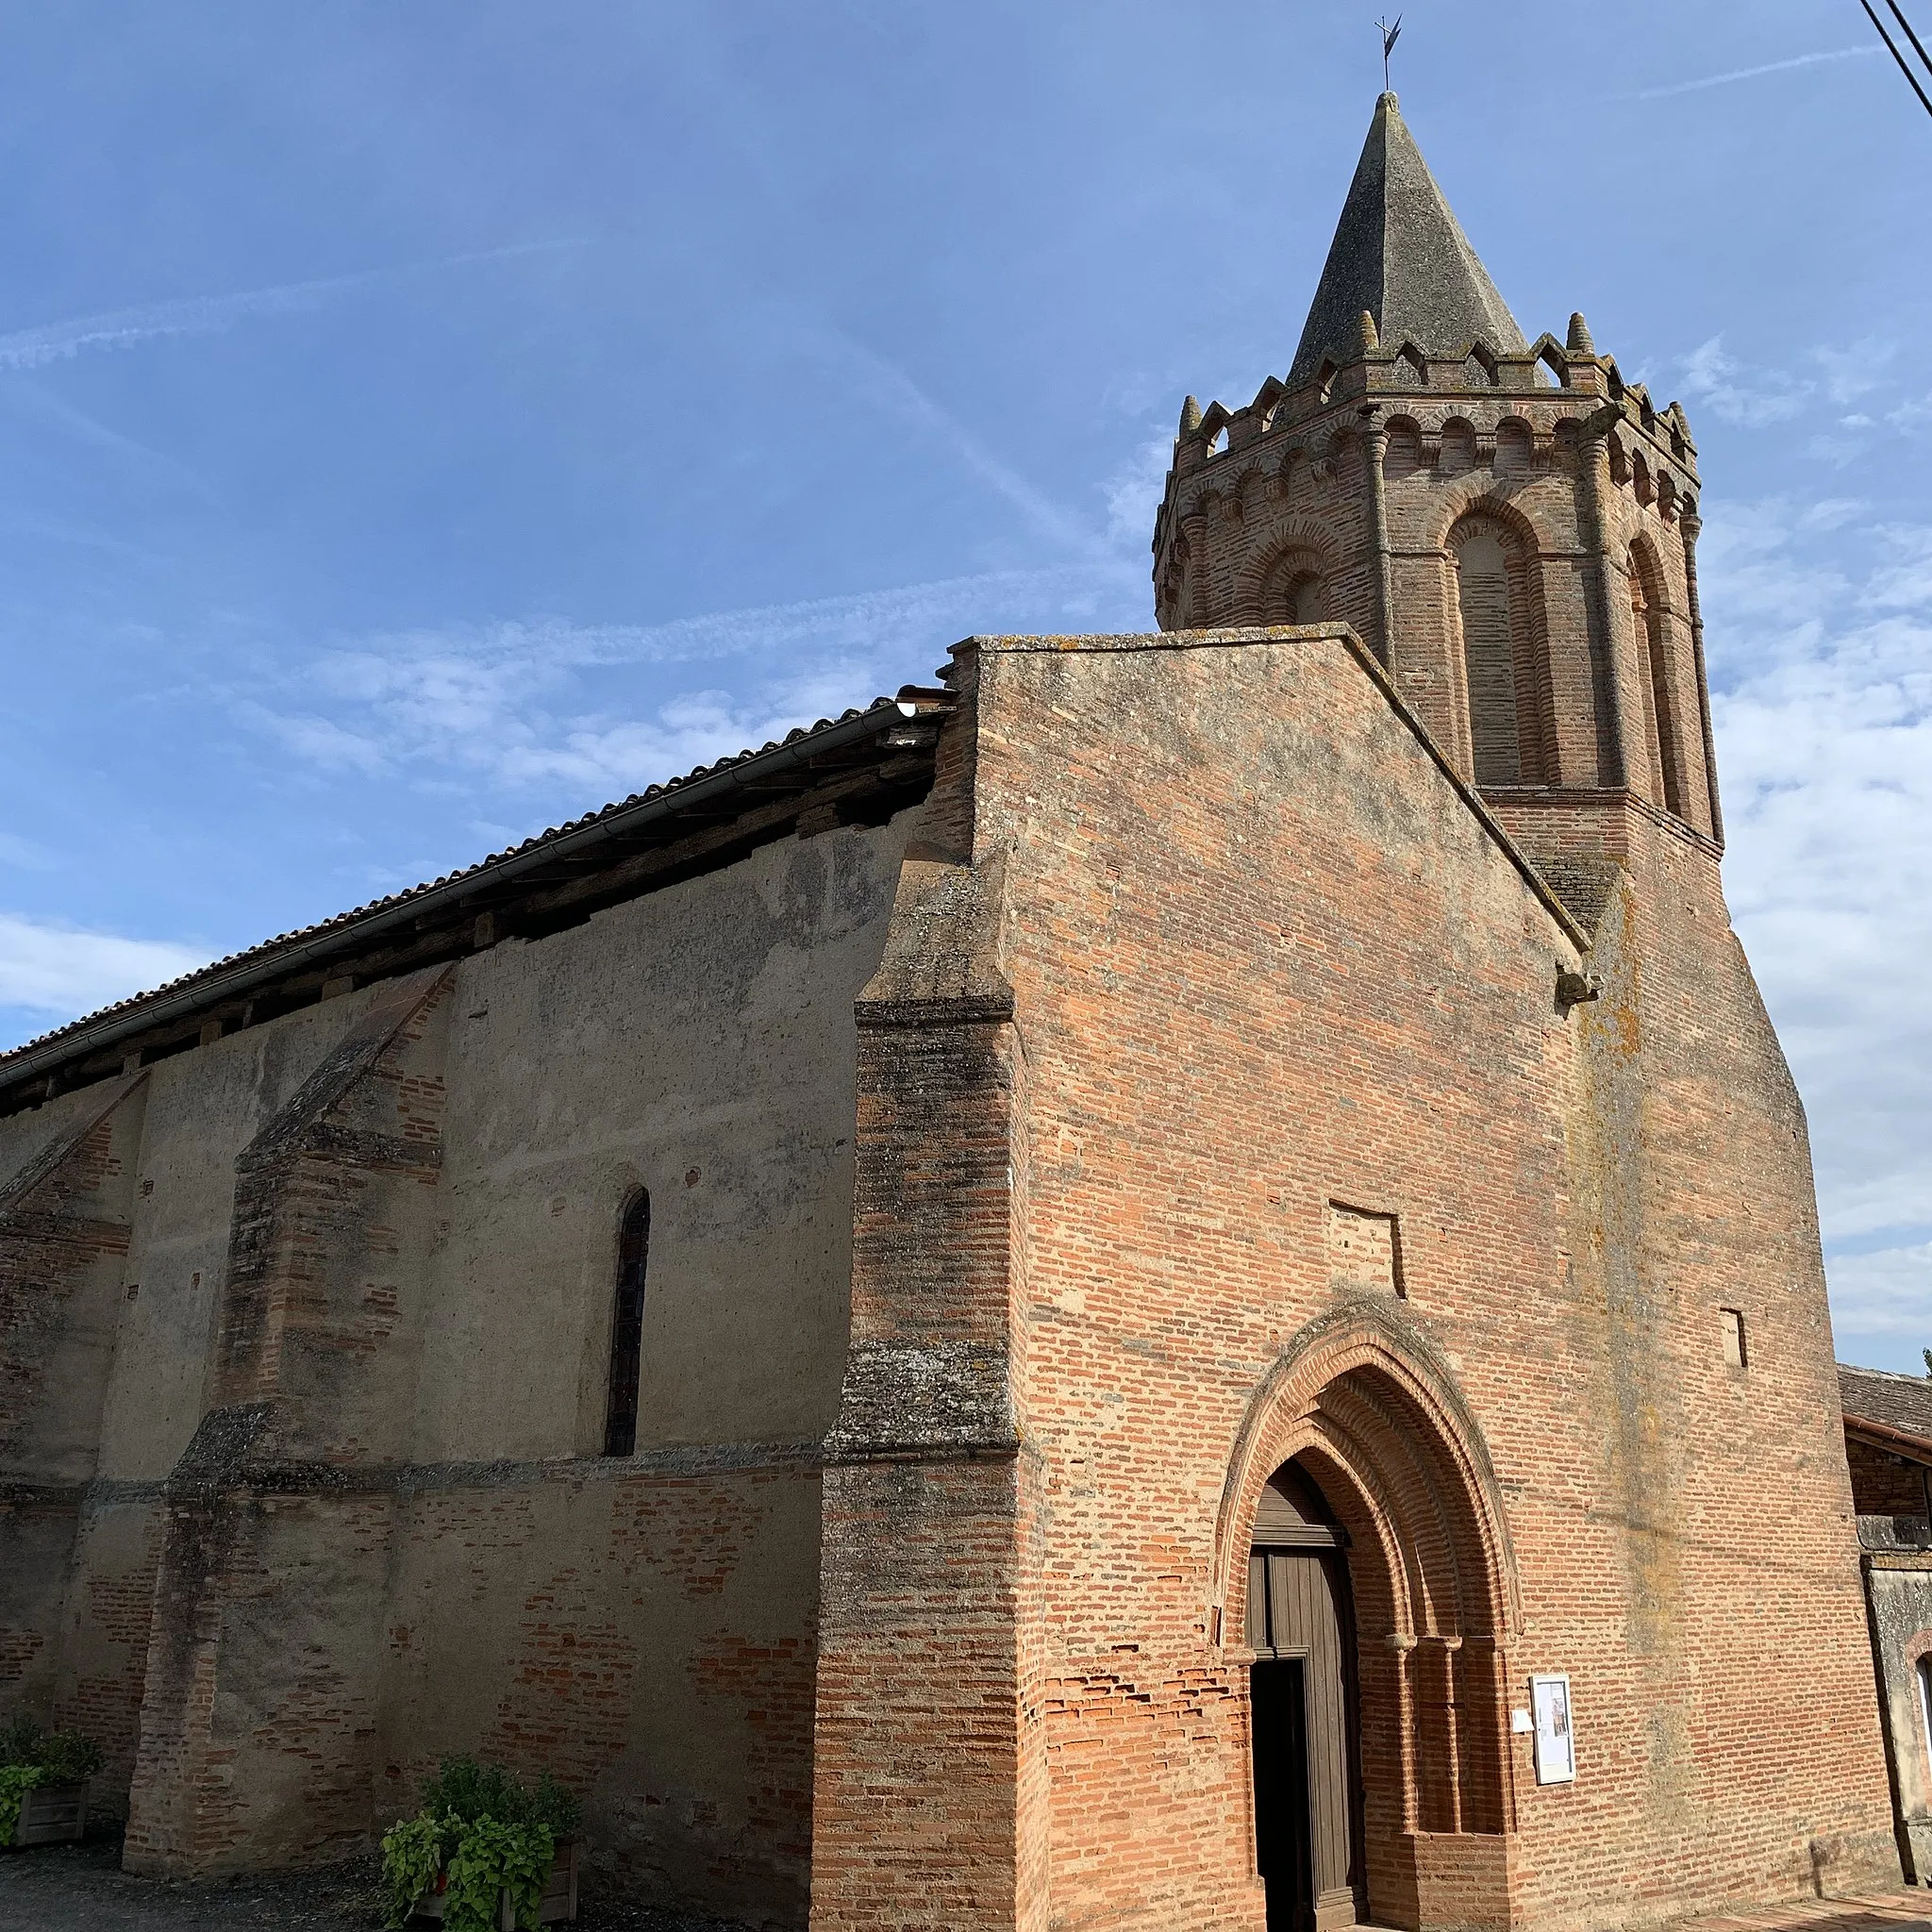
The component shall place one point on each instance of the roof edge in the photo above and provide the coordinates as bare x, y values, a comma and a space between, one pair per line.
272, 960
1885, 1435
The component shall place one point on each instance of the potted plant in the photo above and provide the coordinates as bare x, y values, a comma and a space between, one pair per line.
484, 1853
44, 1784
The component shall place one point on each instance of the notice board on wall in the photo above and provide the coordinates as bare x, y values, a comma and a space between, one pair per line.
1556, 1742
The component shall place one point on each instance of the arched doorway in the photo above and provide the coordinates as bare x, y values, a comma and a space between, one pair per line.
1304, 1711
1358, 1448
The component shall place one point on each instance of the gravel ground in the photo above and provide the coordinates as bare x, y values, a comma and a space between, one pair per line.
83, 1888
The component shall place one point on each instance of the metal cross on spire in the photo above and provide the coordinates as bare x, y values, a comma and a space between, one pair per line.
1390, 36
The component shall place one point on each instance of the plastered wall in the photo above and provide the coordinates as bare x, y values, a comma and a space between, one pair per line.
311, 1432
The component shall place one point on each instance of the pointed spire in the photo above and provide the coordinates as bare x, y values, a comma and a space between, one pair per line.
1191, 415
1366, 341
1579, 336
1399, 254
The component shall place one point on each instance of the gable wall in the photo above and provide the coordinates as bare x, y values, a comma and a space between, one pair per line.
1264, 960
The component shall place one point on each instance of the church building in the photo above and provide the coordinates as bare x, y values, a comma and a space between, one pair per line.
1171, 1283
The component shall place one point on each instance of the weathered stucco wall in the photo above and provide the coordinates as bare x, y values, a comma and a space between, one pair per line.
371, 1378
1898, 1582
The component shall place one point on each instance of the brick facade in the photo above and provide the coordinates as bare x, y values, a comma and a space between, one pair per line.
1220, 872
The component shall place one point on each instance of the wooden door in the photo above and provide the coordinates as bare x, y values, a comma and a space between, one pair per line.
1303, 1705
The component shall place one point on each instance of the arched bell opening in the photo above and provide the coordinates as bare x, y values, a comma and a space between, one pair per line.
1369, 1483
1292, 586
1507, 694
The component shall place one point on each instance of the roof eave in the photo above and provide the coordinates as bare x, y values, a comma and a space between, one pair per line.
263, 965
1882, 1435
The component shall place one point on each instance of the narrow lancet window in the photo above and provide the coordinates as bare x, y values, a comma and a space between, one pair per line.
1924, 1675
1489, 654
1647, 615
627, 1330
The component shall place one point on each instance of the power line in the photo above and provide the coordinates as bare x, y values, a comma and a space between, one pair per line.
1918, 45
1905, 66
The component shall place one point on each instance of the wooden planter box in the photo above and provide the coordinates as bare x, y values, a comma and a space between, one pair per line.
559, 1905
52, 1815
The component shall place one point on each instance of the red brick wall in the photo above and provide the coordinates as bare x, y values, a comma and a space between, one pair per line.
1264, 957
1884, 1484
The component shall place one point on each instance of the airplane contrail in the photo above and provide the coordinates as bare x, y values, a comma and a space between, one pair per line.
1687, 87
195, 315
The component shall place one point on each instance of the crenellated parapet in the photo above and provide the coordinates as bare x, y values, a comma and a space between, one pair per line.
1467, 413
1514, 530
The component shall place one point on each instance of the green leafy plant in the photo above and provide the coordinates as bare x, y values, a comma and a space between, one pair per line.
493, 1858
412, 1854
30, 1756
482, 1831
66, 1757
463, 1789
16, 1781
20, 1741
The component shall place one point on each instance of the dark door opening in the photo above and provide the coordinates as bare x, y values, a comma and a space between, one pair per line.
1279, 1692
1304, 1710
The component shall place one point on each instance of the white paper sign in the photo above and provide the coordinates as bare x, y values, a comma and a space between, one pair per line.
1555, 1744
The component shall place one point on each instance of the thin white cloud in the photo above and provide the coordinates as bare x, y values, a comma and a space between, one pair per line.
1712, 375
1829, 382
1689, 86
1884, 1296
199, 315
513, 703
1133, 494
63, 970
693, 730
1822, 658
885, 382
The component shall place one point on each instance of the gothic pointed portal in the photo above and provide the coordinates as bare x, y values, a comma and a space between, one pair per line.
1399, 254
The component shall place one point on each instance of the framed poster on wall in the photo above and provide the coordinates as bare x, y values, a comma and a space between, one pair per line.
1555, 1744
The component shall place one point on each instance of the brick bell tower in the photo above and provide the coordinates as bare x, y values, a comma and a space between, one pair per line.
1509, 526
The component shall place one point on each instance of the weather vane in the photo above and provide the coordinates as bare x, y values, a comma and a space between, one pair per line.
1390, 36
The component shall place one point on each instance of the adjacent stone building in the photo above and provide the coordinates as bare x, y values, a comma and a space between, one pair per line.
1171, 1283
1889, 1447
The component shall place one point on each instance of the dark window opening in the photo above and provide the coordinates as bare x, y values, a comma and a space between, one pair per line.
627, 1331
1307, 603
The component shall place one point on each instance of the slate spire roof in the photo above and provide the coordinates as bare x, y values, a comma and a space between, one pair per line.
1399, 253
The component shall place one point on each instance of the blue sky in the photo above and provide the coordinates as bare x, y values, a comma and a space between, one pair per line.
423, 424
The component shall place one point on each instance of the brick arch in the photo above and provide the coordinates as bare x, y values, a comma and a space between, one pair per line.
1503, 664
1300, 550
1374, 1357
1366, 1407
1653, 620
1479, 495
1457, 446
1515, 446
1405, 452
